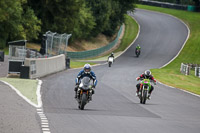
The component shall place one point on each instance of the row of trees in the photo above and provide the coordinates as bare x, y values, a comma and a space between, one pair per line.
29, 19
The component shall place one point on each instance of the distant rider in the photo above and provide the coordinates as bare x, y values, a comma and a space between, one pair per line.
111, 55
145, 75
86, 72
137, 48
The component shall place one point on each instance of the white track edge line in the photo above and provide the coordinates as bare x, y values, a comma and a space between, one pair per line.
20, 94
178, 89
177, 53
134, 39
39, 97
120, 53
188, 29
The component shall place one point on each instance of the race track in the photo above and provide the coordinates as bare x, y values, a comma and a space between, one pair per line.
114, 108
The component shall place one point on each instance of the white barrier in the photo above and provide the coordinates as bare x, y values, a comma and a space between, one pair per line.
185, 69
44, 66
197, 71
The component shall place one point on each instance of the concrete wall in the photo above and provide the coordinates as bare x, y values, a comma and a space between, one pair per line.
44, 66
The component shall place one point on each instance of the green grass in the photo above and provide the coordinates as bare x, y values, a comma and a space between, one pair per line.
170, 74
131, 30
26, 86
76, 64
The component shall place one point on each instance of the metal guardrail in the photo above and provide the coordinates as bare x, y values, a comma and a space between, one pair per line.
185, 69
197, 71
94, 52
164, 4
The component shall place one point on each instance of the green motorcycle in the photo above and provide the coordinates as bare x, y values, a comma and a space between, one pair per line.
145, 86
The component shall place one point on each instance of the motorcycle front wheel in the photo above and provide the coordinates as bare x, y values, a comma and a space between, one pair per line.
83, 101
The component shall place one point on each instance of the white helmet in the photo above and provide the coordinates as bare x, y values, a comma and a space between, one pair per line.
147, 73
87, 68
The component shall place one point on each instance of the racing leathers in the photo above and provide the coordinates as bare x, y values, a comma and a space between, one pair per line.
82, 74
143, 76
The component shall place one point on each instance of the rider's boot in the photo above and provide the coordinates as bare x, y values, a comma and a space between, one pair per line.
137, 91
149, 96
137, 94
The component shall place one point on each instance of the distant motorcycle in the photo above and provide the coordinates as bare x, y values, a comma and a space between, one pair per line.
137, 52
110, 61
84, 93
144, 90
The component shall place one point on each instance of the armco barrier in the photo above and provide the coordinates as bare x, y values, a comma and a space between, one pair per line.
197, 71
164, 4
95, 52
185, 69
44, 66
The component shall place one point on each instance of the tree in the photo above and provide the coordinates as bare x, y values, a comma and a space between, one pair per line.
64, 16
109, 14
85, 23
197, 2
101, 10
17, 22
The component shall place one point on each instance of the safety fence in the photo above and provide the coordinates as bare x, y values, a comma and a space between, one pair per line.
95, 52
56, 43
174, 5
197, 71
186, 69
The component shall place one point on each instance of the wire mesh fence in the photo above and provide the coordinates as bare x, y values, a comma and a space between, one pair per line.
95, 52
56, 43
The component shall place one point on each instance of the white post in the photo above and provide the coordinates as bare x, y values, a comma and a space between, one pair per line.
195, 71
186, 72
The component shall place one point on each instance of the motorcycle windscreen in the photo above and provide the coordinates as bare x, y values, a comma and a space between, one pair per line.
86, 82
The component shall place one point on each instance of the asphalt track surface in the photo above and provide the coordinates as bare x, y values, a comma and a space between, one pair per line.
114, 108
16, 115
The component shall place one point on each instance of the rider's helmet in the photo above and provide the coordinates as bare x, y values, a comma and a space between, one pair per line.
147, 73
138, 45
87, 68
112, 54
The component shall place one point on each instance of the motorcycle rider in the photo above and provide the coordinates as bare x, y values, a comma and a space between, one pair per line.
111, 55
137, 48
83, 73
145, 75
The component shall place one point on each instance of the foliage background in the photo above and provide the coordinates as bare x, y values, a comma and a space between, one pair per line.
30, 19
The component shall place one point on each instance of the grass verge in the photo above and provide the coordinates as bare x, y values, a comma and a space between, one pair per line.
131, 30
76, 64
27, 87
189, 54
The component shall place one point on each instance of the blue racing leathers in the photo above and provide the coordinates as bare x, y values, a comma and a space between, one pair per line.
82, 74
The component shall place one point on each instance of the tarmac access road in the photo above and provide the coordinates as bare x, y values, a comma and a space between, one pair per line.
114, 108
